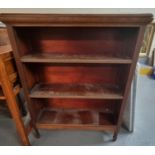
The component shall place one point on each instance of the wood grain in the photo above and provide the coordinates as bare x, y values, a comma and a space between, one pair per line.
106, 42
61, 58
10, 85
76, 19
87, 91
55, 118
9, 93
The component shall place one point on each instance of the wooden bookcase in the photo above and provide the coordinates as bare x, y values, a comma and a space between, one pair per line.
76, 70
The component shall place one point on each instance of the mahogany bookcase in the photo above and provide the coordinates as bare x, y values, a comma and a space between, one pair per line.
76, 70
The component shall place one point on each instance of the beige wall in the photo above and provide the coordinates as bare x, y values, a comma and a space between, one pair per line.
81, 10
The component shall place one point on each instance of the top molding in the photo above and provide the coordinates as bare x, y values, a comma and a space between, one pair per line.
76, 19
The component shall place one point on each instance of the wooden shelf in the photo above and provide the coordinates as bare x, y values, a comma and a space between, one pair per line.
62, 58
78, 91
70, 119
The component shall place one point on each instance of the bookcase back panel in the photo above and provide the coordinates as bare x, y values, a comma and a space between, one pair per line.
108, 106
105, 106
64, 74
115, 42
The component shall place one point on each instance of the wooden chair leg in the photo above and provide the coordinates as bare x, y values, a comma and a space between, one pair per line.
18, 122
12, 104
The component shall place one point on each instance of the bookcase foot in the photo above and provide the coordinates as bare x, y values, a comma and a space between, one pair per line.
114, 137
36, 132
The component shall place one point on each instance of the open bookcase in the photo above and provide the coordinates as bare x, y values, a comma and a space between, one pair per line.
76, 70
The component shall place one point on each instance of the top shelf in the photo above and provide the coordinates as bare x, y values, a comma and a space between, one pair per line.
75, 19
75, 58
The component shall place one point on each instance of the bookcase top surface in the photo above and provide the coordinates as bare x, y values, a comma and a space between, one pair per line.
75, 19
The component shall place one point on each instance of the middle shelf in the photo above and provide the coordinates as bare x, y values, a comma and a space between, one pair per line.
74, 58
77, 91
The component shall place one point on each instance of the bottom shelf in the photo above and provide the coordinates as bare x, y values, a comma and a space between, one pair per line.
75, 119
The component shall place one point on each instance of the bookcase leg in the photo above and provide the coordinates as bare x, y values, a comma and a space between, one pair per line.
22, 106
115, 136
36, 133
31, 127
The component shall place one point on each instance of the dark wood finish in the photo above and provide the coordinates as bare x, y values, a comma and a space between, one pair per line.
73, 73
81, 91
53, 58
81, 20
85, 41
76, 70
74, 119
130, 77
